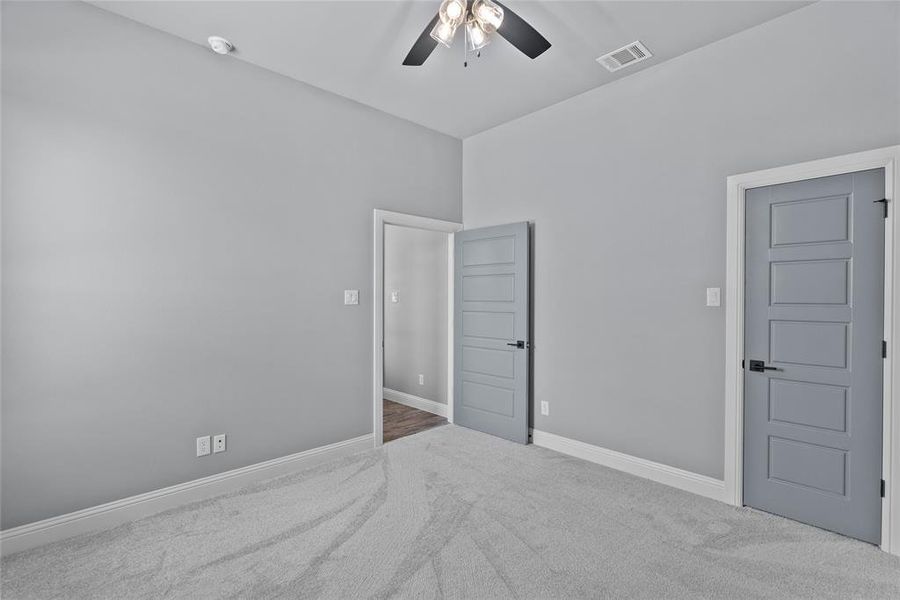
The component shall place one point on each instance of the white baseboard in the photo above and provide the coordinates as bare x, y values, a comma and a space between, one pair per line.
111, 514
431, 406
658, 472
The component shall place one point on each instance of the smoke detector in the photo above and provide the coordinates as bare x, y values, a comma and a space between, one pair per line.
625, 56
220, 45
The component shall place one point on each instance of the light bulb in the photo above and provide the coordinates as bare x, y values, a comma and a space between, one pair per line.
443, 33
488, 15
477, 38
452, 11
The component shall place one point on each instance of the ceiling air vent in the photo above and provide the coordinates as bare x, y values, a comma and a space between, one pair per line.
633, 53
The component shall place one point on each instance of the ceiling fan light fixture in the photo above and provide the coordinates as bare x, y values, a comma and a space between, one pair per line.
477, 37
452, 12
443, 32
488, 15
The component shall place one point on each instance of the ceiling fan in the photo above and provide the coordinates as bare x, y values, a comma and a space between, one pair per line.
479, 19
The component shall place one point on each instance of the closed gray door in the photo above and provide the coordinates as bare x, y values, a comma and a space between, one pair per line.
813, 352
490, 388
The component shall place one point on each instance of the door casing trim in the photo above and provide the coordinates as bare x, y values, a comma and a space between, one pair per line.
382, 218
889, 159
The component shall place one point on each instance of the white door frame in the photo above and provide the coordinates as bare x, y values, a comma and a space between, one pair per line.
888, 159
382, 218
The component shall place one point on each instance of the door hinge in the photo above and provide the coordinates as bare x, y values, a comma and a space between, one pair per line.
883, 201
883, 348
882, 488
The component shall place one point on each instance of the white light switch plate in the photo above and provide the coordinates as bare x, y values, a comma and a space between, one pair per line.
713, 297
351, 297
545, 408
395, 296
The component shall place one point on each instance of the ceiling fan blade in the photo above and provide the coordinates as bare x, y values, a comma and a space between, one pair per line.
520, 34
423, 47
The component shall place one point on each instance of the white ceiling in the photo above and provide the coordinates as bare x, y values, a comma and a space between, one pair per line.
355, 48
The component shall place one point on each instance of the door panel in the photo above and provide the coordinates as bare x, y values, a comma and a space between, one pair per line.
490, 317
809, 404
488, 398
489, 288
489, 325
809, 465
810, 221
808, 343
811, 282
492, 251
489, 362
814, 313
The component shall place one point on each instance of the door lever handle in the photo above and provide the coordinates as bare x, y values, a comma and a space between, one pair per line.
759, 366
517, 344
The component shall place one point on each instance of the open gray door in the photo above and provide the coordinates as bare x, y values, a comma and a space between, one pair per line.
813, 331
491, 339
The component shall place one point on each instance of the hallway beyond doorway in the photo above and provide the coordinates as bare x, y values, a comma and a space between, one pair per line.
401, 420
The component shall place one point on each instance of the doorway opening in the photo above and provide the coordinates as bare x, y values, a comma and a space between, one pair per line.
415, 330
413, 316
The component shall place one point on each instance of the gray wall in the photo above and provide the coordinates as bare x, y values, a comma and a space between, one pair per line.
626, 188
178, 229
415, 328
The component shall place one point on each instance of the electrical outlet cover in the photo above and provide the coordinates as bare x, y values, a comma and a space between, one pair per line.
219, 443
203, 445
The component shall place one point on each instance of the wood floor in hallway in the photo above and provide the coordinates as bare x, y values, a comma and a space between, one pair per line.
401, 420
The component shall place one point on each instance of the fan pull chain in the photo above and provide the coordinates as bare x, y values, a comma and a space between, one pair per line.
465, 45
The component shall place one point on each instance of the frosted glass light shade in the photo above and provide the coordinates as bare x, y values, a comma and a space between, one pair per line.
488, 15
443, 33
452, 12
477, 37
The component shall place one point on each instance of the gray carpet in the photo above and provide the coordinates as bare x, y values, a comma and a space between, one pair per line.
451, 513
